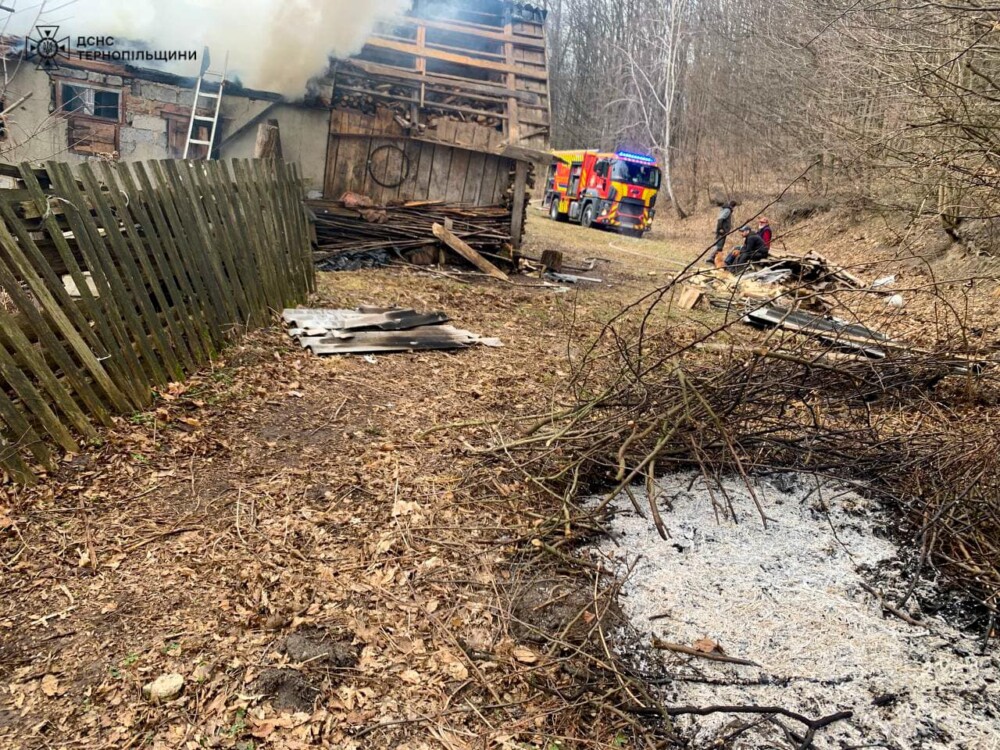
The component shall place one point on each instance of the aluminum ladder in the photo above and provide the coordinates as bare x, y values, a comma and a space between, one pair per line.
213, 79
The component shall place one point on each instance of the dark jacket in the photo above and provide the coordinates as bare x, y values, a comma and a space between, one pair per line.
753, 248
725, 223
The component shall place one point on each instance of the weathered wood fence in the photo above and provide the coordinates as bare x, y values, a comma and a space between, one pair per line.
166, 260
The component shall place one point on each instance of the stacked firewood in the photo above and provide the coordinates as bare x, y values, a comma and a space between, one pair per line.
363, 93
347, 226
353, 88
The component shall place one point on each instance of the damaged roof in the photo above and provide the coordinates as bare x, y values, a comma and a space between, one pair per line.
14, 48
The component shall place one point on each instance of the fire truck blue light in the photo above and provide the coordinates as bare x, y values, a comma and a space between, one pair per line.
629, 156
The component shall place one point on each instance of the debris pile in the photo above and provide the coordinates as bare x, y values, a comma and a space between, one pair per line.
356, 227
819, 395
814, 270
802, 281
377, 330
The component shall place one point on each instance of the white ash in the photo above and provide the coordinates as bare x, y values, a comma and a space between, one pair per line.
789, 597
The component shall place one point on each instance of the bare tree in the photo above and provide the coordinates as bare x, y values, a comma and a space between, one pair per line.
655, 68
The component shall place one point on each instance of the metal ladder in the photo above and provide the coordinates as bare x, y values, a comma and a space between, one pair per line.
211, 78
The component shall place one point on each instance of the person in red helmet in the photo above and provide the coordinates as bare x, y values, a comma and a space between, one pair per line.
765, 232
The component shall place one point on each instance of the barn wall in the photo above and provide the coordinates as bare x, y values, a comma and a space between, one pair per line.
464, 173
303, 135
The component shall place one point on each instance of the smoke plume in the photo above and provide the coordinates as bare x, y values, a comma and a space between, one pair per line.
275, 45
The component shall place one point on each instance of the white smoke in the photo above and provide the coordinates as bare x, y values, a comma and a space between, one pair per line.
275, 45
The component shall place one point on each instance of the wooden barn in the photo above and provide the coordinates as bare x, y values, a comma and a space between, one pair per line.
449, 103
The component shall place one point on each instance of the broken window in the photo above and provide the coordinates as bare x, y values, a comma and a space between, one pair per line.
93, 117
102, 104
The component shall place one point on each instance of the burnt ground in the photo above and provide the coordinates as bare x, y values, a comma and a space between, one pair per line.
315, 545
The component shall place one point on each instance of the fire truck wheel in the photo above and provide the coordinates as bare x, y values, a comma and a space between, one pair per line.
587, 217
554, 213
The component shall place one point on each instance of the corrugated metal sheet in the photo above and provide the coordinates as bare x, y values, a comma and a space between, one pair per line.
377, 330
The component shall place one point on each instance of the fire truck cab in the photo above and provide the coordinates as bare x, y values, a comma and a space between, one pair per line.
606, 189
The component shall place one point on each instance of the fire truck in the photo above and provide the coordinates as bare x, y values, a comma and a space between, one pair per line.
616, 190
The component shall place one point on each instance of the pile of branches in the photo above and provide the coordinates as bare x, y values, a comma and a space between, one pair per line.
910, 429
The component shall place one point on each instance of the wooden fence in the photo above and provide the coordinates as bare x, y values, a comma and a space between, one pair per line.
119, 278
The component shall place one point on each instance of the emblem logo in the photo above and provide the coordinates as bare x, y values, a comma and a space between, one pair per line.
47, 48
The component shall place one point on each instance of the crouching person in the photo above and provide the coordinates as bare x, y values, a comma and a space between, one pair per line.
752, 250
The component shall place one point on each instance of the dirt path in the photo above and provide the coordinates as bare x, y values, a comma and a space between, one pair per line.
295, 527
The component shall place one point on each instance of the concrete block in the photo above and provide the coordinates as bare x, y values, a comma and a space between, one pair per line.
156, 150
149, 122
132, 135
160, 92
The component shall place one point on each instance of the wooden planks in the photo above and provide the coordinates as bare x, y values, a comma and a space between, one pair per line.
460, 247
536, 73
458, 166
169, 259
520, 202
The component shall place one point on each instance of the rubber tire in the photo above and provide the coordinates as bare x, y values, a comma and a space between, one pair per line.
554, 213
587, 216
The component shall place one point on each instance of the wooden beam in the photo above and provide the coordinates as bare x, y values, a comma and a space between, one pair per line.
468, 253
427, 105
422, 69
477, 53
497, 90
514, 123
517, 210
482, 32
538, 73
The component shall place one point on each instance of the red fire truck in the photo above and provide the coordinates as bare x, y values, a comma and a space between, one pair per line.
615, 190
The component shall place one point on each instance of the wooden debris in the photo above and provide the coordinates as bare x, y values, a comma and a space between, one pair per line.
268, 145
814, 270
690, 297
710, 655
467, 252
355, 224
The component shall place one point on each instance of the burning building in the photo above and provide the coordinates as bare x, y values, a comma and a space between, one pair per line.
448, 103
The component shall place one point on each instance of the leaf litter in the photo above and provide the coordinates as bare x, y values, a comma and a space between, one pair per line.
292, 537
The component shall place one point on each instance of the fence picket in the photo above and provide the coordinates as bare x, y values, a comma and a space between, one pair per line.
147, 331
90, 346
164, 256
168, 259
112, 293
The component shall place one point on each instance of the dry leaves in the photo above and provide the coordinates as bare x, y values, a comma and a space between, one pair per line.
707, 646
244, 500
525, 655
51, 687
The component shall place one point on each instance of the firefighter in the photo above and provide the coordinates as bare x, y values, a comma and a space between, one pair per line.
752, 249
765, 232
723, 226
